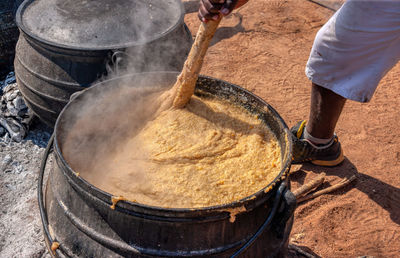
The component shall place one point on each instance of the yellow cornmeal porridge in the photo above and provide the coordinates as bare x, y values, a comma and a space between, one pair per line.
209, 153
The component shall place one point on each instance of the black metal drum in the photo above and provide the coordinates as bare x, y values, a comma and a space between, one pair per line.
77, 215
66, 45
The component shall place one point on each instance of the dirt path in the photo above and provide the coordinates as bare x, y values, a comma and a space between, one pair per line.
264, 48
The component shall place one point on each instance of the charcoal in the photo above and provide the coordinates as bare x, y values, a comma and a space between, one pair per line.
15, 116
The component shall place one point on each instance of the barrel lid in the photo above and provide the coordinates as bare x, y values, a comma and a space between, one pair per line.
98, 24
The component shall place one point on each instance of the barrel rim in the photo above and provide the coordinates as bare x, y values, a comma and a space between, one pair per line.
263, 193
26, 3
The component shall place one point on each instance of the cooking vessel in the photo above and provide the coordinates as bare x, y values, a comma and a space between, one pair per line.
67, 45
78, 221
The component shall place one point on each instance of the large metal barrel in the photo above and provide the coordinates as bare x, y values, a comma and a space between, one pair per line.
66, 45
78, 221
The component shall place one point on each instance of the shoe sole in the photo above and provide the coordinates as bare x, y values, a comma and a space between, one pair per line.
330, 163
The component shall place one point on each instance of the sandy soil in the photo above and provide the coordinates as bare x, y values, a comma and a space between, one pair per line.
264, 47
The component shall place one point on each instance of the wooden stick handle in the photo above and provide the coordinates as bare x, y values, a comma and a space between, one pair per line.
186, 81
317, 181
332, 188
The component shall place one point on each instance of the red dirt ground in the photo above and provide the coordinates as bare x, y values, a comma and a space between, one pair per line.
264, 47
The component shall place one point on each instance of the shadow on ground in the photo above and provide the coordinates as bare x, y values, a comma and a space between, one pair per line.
385, 195
39, 133
299, 251
228, 32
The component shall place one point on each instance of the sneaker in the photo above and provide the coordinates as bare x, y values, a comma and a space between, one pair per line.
330, 154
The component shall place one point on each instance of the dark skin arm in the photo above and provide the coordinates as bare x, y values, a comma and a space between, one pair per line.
212, 9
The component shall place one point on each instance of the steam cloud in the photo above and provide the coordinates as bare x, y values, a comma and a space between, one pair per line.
104, 118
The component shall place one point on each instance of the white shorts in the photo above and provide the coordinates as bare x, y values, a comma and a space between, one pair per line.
357, 46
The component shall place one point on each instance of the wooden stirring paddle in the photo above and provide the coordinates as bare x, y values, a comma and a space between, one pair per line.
186, 82
179, 95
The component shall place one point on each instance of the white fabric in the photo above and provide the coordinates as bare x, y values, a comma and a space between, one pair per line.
357, 46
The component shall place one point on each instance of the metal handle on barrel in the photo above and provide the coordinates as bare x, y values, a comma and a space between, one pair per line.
287, 208
43, 215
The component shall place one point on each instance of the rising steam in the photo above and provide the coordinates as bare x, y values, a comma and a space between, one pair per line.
106, 117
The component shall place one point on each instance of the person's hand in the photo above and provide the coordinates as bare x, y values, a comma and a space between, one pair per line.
212, 9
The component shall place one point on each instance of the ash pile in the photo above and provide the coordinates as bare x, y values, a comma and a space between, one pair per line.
15, 116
